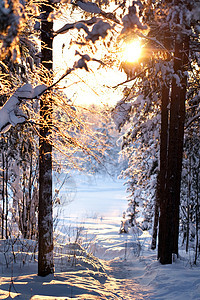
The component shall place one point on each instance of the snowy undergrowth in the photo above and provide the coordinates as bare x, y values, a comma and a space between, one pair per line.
77, 274
81, 275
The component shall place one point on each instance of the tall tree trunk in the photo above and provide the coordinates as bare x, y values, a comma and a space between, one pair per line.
155, 223
188, 208
169, 231
6, 192
24, 208
197, 216
164, 138
184, 56
45, 219
163, 220
3, 196
29, 195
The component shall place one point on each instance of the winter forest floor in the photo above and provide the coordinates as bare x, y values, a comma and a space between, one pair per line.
103, 264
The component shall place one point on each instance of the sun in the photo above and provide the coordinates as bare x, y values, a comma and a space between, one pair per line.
132, 51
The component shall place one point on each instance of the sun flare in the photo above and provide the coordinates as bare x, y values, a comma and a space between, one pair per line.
132, 51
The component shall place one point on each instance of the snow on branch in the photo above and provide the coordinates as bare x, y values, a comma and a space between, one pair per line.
82, 62
10, 113
99, 29
78, 25
88, 6
95, 9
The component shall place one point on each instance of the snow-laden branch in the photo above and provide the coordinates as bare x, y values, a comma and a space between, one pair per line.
10, 113
95, 9
77, 25
100, 28
88, 6
82, 62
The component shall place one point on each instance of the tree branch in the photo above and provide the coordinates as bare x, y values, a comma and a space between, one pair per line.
192, 120
133, 78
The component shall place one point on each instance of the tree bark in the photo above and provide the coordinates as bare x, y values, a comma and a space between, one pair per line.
163, 220
3, 196
197, 218
169, 220
155, 224
184, 54
188, 208
45, 219
6, 194
164, 138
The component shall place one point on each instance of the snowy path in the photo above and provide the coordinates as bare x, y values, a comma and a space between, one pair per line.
126, 269
125, 274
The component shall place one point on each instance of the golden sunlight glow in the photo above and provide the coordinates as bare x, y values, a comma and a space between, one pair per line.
132, 51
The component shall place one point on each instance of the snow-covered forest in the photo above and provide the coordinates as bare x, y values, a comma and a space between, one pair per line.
100, 159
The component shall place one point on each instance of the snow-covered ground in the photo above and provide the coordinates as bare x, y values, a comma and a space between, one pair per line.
105, 265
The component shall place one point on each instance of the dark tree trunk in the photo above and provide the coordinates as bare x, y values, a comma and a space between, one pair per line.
184, 54
197, 216
163, 220
29, 195
155, 224
3, 196
24, 207
169, 220
45, 219
6, 192
188, 208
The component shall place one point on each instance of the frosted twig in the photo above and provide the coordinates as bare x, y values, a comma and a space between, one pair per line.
133, 78
62, 77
